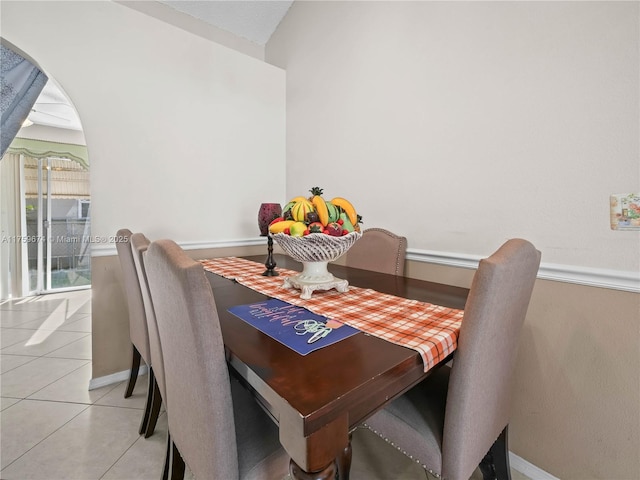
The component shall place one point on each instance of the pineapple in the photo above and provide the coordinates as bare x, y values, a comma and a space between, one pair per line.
315, 191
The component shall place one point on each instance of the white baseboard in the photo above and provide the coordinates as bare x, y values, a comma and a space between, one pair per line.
117, 377
528, 469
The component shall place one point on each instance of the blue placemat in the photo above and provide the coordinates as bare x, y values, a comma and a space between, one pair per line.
296, 327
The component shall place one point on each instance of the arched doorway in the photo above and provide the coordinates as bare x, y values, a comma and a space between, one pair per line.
46, 219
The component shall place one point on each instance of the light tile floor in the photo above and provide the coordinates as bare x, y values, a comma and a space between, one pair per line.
54, 428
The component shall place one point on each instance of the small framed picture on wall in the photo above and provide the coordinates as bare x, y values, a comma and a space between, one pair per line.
625, 211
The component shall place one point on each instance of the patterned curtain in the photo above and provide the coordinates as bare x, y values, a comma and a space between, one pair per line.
20, 84
10, 226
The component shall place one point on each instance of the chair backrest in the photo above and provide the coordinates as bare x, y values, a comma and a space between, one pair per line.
378, 250
137, 320
139, 245
198, 392
479, 394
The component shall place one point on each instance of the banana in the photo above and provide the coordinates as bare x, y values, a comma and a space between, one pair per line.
345, 205
298, 199
280, 227
321, 209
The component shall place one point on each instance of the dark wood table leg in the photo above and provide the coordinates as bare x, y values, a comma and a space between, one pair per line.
319, 455
344, 462
340, 469
328, 473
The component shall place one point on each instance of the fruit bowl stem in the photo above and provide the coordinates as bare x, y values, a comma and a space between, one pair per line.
315, 276
315, 272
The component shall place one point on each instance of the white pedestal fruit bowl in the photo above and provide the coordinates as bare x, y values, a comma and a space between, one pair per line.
315, 251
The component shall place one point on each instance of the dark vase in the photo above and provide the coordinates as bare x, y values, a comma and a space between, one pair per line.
268, 213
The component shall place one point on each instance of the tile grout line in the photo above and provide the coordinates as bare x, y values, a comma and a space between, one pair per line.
87, 406
140, 438
59, 378
38, 443
47, 355
18, 366
81, 316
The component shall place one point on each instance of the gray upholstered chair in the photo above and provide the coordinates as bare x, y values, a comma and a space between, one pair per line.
138, 331
139, 245
378, 250
457, 419
215, 425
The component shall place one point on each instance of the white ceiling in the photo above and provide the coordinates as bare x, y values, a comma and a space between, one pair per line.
253, 20
53, 109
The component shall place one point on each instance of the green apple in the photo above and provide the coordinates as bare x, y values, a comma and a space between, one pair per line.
346, 223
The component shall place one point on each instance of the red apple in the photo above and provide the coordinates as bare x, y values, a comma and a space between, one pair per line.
335, 230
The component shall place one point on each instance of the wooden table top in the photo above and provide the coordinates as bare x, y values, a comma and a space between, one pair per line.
348, 380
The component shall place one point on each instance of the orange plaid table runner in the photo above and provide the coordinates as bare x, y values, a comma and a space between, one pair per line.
233, 267
432, 330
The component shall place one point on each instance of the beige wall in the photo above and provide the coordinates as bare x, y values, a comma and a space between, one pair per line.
462, 124
110, 346
185, 137
577, 397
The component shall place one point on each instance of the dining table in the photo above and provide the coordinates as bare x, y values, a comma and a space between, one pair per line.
318, 399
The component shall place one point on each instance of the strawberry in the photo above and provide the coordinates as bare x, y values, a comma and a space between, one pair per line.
286, 231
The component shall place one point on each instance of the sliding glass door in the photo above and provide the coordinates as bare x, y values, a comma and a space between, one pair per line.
58, 224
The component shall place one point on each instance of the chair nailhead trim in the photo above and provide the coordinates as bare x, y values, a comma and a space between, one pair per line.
437, 475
